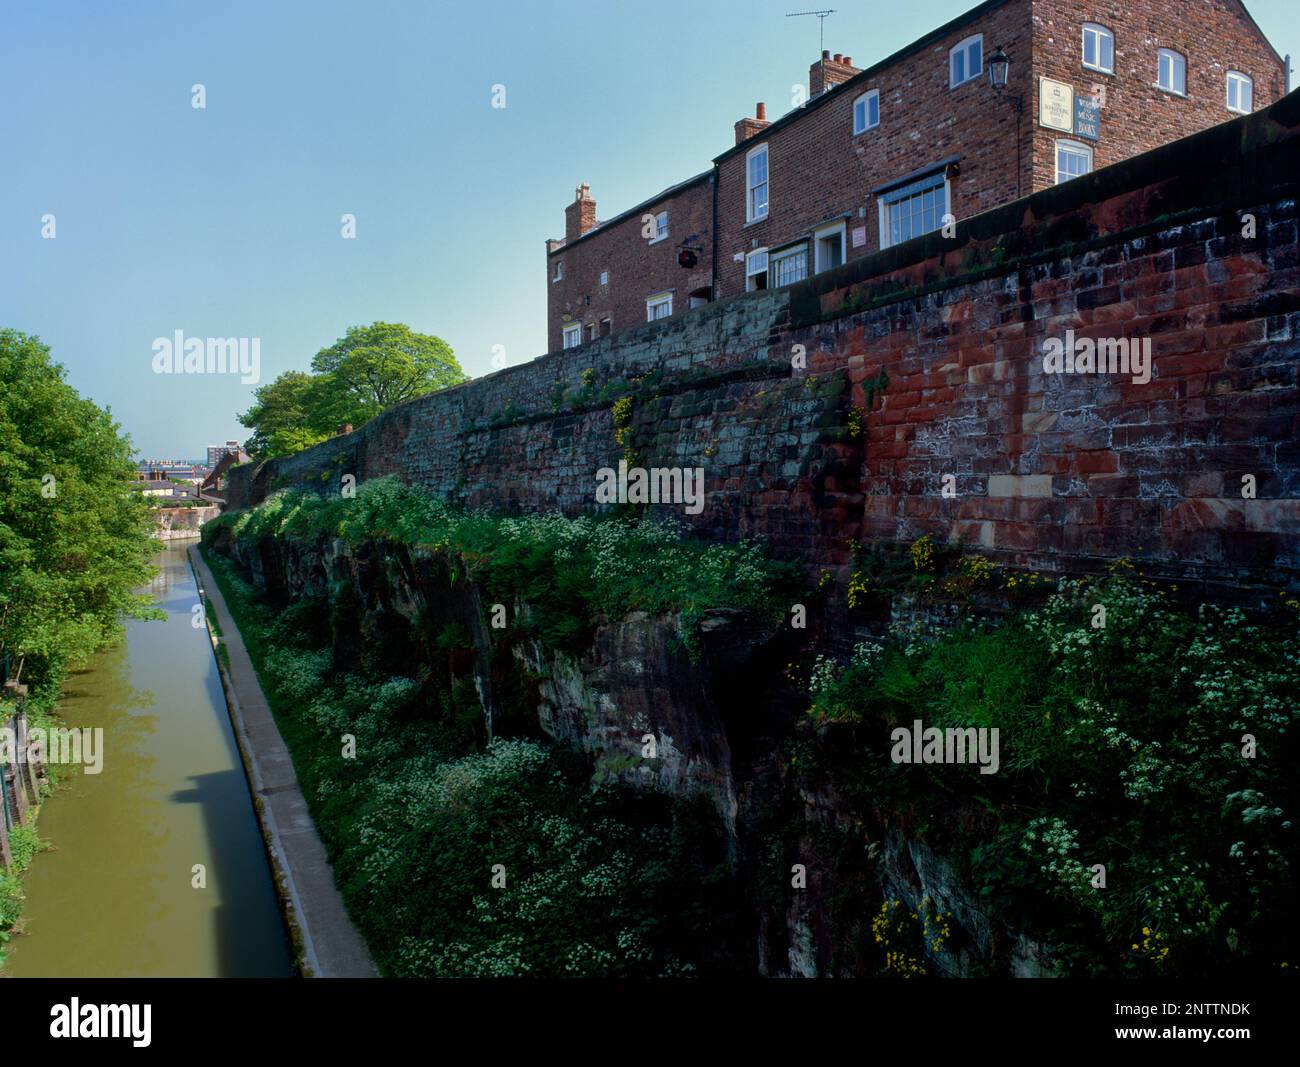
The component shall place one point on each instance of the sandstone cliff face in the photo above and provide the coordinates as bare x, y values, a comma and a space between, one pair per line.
635, 692
715, 724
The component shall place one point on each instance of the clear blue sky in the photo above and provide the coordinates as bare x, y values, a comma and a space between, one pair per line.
225, 222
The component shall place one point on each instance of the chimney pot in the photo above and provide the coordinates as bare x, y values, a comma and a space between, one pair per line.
829, 72
747, 127
580, 216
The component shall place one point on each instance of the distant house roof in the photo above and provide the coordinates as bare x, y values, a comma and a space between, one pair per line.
672, 190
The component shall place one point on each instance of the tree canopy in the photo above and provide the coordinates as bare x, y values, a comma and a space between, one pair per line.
281, 416
74, 541
368, 370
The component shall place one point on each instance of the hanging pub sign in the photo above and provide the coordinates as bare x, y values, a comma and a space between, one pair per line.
1055, 105
1087, 118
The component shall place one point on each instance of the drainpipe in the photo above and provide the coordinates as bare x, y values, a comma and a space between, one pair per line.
1019, 109
713, 267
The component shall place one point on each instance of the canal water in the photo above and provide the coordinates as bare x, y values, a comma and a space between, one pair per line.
114, 896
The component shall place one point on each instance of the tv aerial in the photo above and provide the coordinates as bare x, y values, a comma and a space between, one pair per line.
821, 24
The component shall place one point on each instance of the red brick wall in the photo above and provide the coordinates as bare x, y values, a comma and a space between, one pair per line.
819, 169
829, 71
1214, 35
580, 216
637, 268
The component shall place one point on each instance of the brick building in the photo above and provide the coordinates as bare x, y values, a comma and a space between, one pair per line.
607, 276
217, 452
878, 155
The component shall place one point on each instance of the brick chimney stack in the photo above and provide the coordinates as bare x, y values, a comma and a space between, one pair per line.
580, 216
746, 128
828, 72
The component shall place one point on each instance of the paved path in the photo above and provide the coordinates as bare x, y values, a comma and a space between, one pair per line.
331, 945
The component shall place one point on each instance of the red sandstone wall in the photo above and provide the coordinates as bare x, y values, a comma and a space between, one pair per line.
1050, 465
1054, 472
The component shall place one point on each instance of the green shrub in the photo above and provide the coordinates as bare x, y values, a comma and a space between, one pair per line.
603, 883
1120, 745
569, 571
297, 675
24, 843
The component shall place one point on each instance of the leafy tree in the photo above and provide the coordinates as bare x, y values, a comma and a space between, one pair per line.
281, 417
74, 542
368, 370
373, 367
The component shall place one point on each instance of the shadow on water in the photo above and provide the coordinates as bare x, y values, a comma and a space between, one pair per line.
238, 853
235, 858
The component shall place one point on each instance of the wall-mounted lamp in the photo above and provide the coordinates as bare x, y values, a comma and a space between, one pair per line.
999, 64
1000, 73
999, 68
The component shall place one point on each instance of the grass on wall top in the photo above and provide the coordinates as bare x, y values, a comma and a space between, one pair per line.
569, 570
